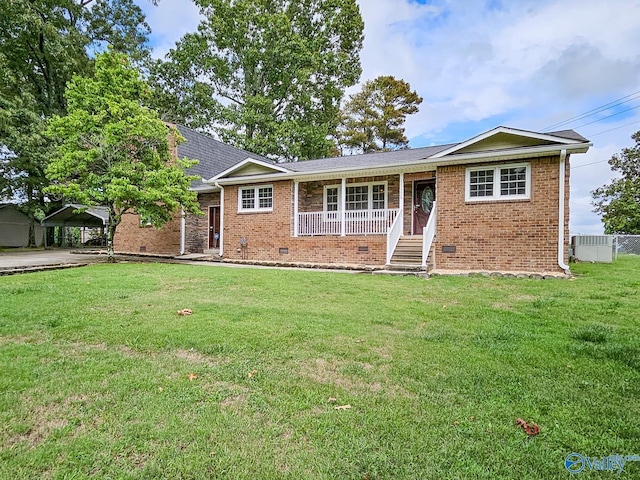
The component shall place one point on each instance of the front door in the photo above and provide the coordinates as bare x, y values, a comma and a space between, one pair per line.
424, 194
214, 227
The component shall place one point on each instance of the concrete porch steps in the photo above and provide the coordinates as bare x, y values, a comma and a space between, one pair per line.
408, 253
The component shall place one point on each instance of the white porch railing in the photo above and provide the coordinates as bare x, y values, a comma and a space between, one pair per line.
356, 222
393, 237
428, 234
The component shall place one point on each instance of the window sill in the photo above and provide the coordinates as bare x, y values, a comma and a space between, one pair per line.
497, 200
252, 212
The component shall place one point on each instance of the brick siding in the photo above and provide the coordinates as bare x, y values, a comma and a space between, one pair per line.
500, 235
197, 227
133, 238
268, 232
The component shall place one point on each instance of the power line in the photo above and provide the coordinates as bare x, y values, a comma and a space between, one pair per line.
596, 110
587, 164
612, 129
608, 116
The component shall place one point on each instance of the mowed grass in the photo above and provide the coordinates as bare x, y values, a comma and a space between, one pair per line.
100, 378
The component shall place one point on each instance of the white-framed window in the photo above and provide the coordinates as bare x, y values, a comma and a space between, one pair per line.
258, 198
502, 182
359, 196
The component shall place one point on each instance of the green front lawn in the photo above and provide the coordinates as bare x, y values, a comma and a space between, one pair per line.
101, 378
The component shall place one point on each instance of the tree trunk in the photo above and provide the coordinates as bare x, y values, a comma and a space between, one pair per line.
111, 232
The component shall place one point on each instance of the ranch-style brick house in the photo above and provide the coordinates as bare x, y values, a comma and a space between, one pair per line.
496, 202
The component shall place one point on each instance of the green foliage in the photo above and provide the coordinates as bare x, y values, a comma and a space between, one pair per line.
98, 374
42, 45
619, 201
113, 151
373, 119
268, 75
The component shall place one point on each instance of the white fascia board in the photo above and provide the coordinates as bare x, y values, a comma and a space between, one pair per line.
422, 165
516, 153
244, 162
498, 130
426, 164
205, 188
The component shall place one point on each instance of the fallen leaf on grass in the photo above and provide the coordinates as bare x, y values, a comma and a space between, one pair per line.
342, 407
332, 400
192, 377
456, 423
160, 389
531, 429
185, 312
252, 373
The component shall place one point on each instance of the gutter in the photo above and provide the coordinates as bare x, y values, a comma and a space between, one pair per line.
221, 252
183, 228
561, 198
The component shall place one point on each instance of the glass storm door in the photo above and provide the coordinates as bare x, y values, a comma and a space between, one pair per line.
424, 194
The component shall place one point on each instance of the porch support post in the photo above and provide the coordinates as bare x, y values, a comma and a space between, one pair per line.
401, 202
343, 206
295, 207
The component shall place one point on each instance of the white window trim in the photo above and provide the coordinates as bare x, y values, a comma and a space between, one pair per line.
369, 195
496, 197
333, 214
255, 189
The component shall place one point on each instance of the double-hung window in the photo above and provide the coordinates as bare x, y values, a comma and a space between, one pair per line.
502, 182
358, 197
255, 199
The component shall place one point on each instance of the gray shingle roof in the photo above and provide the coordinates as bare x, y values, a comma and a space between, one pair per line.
366, 160
570, 134
385, 159
213, 156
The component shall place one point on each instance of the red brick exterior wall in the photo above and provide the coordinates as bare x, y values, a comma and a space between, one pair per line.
493, 236
197, 227
501, 235
268, 232
133, 238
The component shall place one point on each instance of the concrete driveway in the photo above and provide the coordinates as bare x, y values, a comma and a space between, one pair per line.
31, 258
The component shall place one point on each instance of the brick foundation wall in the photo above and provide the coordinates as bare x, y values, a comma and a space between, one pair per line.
501, 235
268, 232
131, 237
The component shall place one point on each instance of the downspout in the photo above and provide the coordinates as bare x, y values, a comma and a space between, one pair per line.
221, 252
561, 197
183, 234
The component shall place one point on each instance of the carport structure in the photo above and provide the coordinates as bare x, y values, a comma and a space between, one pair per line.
74, 215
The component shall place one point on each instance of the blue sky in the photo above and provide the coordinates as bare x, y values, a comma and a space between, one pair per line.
478, 64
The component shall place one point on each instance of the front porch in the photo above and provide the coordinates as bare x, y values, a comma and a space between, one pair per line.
387, 206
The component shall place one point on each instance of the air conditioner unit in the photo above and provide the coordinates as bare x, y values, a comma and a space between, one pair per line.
593, 248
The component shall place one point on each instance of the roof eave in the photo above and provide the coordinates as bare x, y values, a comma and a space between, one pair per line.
508, 130
409, 167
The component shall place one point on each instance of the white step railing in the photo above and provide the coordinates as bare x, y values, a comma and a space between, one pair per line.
393, 237
356, 222
428, 234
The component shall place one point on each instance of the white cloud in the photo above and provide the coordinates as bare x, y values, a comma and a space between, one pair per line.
526, 64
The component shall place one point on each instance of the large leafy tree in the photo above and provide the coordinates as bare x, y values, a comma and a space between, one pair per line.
619, 201
42, 45
113, 151
372, 120
267, 75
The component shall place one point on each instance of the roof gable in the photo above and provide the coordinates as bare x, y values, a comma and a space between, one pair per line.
250, 167
504, 138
